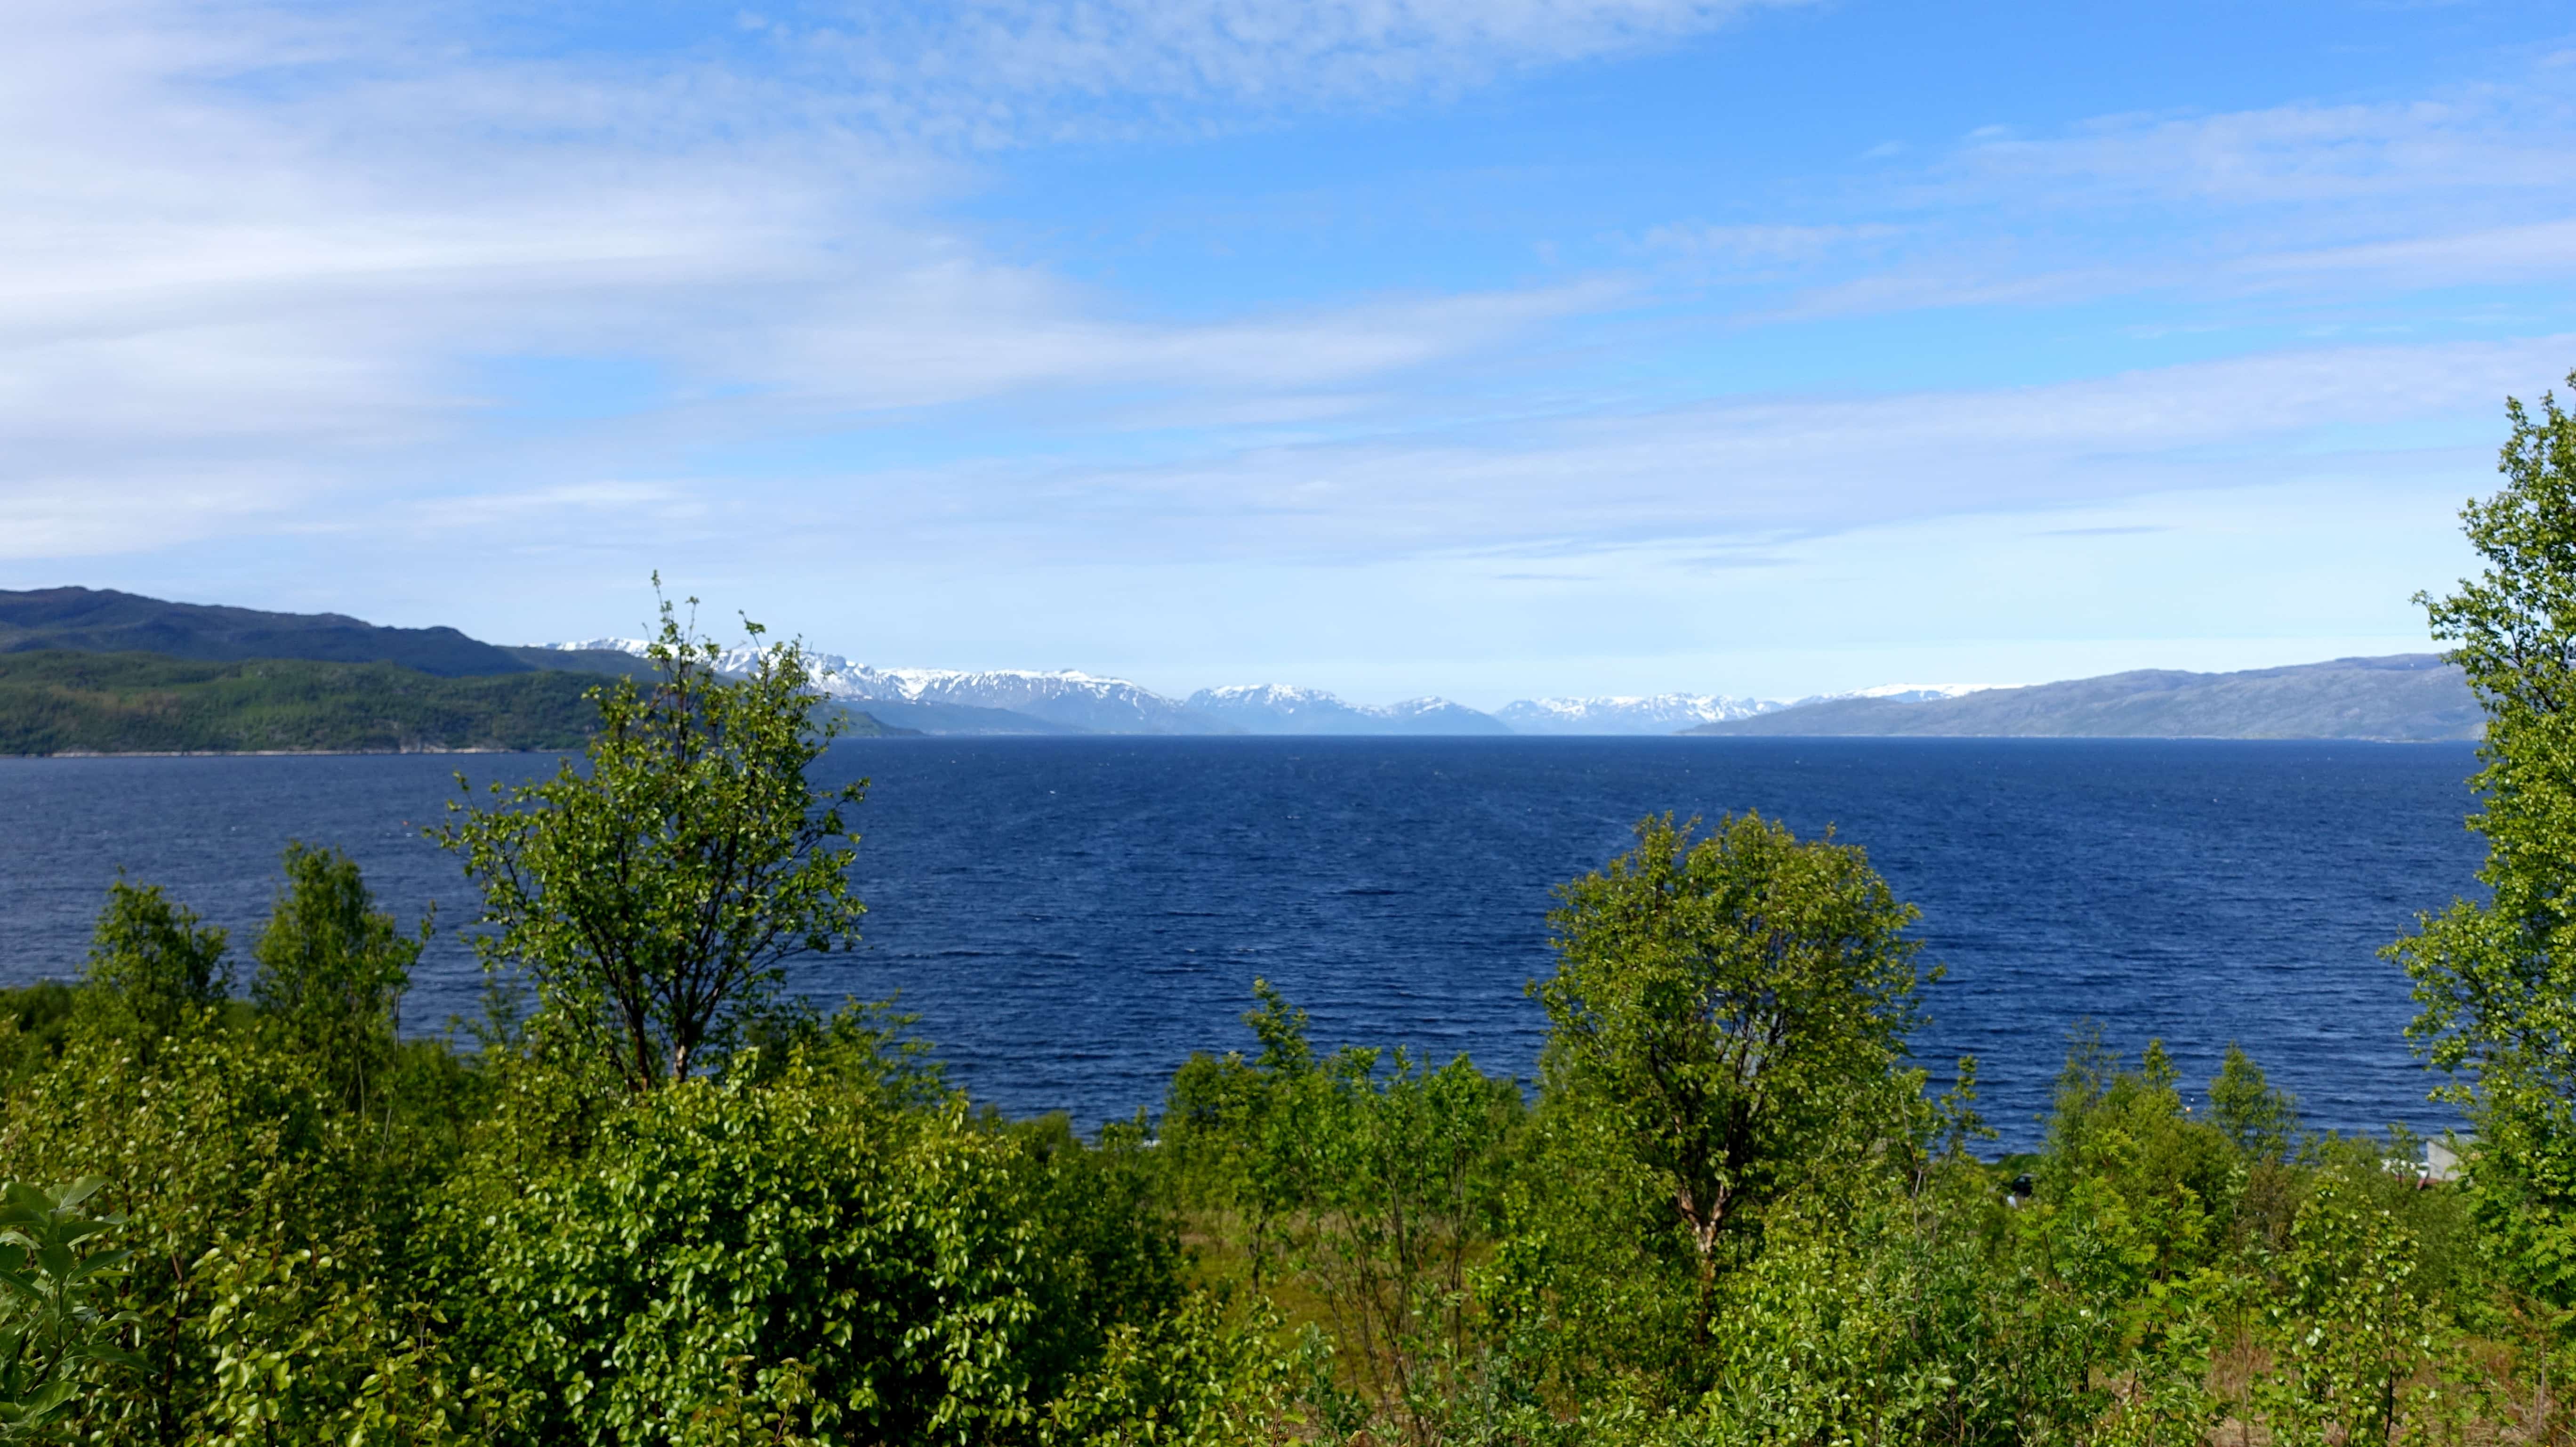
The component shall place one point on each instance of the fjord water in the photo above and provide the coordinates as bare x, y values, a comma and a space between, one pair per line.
1072, 916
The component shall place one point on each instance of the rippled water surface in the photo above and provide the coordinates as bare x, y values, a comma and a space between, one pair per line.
1072, 916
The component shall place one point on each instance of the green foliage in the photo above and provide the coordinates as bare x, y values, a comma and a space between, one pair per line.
653, 895
2360, 1349
1727, 1025
874, 1272
332, 970
2263, 1122
1110, 1240
1367, 1178
2496, 979
33, 1021
58, 701
2135, 1193
151, 957
1206, 1375
307, 1347
226, 1147
1883, 1318
869, 1047
55, 1335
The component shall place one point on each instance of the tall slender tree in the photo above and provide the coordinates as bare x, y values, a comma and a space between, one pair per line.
332, 970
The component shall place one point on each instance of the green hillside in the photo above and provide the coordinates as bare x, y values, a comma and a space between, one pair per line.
58, 701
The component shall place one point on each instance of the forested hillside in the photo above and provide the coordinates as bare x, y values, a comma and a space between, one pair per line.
55, 702
59, 702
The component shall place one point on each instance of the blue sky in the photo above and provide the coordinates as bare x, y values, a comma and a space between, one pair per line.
1483, 349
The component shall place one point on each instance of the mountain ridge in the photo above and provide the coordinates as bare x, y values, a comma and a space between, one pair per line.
104, 620
2404, 697
2398, 697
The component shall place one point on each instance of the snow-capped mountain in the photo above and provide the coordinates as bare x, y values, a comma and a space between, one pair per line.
1014, 700
1663, 713
1066, 699
1068, 696
1278, 708
1439, 716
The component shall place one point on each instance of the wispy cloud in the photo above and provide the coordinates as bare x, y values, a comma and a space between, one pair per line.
235, 236
2470, 187
2494, 136
1764, 242
1002, 70
1738, 474
2454, 258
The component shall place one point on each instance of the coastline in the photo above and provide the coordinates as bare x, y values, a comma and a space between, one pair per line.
272, 753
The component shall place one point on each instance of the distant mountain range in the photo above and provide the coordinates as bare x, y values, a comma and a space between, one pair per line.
952, 701
2403, 697
2411, 696
1275, 708
1663, 713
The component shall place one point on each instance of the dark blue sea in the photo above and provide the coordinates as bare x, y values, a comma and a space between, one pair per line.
1072, 916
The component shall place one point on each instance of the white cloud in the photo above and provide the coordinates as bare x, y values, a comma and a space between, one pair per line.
952, 333
2346, 203
232, 235
1747, 471
58, 517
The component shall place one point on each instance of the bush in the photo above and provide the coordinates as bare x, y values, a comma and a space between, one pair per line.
793, 1248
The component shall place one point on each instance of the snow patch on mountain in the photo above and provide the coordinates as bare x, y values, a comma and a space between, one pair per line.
1913, 692
635, 646
1066, 697
1661, 713
1278, 708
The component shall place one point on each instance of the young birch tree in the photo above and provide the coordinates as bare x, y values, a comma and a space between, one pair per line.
656, 894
